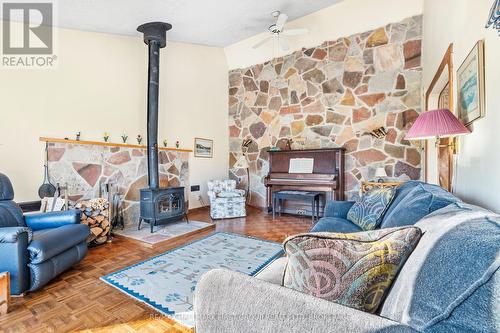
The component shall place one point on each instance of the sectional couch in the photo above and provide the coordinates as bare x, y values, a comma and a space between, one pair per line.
36, 248
450, 283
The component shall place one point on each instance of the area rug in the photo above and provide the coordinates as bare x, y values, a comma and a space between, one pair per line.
163, 233
167, 282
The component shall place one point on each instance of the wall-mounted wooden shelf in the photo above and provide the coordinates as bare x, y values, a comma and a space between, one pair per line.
108, 144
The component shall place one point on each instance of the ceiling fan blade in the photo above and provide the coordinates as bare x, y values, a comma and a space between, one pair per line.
295, 32
281, 21
262, 42
284, 44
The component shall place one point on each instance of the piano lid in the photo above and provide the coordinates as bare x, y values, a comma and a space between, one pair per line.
326, 161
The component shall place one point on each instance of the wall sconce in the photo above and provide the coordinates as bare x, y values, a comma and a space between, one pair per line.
245, 144
379, 133
437, 124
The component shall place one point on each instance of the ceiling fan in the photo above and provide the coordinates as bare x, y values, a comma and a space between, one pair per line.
277, 32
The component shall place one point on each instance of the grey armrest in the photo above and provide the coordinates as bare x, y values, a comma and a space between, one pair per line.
273, 273
227, 301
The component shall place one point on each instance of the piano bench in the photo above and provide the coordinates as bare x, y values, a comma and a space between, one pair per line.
307, 196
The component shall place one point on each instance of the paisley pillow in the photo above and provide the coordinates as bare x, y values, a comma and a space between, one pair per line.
354, 270
368, 211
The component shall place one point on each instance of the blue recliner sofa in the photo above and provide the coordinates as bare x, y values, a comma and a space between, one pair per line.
36, 248
412, 201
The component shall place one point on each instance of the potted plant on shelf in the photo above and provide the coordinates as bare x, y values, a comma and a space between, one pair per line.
106, 137
139, 139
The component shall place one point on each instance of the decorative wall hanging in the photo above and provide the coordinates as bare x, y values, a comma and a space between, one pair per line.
494, 18
379, 133
203, 147
470, 85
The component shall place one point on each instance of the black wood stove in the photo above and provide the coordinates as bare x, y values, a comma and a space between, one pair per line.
158, 205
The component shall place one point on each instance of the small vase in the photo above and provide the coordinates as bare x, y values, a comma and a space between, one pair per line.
165, 143
106, 138
124, 139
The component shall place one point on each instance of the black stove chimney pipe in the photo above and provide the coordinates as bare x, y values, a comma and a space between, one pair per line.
155, 36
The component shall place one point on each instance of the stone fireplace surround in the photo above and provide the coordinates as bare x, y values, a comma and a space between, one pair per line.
85, 166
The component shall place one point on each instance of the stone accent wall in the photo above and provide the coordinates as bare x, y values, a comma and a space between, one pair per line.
86, 167
329, 96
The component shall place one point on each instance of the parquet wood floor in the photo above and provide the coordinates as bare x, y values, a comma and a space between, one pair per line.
78, 301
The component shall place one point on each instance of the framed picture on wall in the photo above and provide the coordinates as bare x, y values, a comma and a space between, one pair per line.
444, 97
203, 147
470, 86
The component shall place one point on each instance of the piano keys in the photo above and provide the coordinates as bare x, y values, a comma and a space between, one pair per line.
327, 176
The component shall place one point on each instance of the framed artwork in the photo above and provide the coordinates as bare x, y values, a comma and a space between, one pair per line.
444, 97
470, 86
203, 147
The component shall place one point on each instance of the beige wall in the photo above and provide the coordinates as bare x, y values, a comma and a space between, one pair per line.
100, 85
462, 22
343, 19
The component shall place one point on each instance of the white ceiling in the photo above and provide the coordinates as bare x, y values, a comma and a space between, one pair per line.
207, 22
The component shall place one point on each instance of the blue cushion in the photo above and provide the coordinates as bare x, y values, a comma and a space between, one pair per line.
11, 215
6, 190
51, 242
50, 220
478, 313
337, 208
401, 192
335, 224
457, 255
368, 211
413, 201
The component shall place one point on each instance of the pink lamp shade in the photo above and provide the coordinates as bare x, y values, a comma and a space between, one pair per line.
436, 123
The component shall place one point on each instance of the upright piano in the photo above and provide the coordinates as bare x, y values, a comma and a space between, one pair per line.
327, 176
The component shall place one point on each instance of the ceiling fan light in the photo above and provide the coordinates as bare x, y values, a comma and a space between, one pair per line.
284, 45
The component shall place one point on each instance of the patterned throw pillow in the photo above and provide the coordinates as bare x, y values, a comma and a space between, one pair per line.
354, 270
367, 212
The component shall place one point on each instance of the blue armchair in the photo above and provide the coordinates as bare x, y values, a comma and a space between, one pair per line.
36, 248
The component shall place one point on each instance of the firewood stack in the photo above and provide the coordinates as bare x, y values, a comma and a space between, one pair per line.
95, 214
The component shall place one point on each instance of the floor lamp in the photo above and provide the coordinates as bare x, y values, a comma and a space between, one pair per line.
242, 163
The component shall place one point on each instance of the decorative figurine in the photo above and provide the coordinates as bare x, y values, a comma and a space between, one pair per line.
78, 134
106, 137
139, 139
165, 143
177, 144
124, 137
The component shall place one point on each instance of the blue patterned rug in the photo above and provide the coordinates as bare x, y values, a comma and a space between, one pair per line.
167, 282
